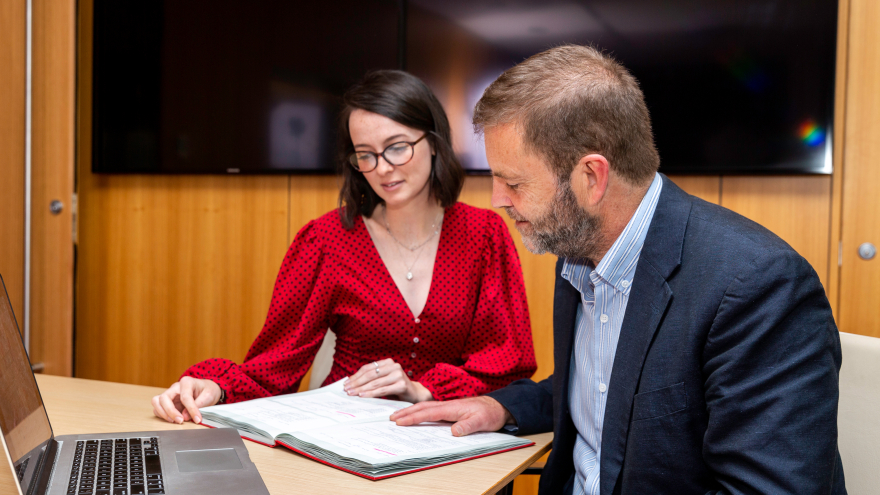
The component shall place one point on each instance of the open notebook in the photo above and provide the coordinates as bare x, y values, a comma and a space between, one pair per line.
352, 433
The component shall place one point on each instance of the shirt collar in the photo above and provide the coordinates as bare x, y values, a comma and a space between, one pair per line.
618, 265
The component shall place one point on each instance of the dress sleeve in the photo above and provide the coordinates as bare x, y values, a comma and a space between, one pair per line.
499, 348
292, 334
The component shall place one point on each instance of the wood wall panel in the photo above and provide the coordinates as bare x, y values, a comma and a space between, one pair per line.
707, 188
311, 197
12, 107
174, 270
54, 104
797, 209
859, 311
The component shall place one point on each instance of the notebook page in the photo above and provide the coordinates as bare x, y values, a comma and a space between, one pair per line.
305, 411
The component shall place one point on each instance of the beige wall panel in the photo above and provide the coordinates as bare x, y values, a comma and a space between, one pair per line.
538, 272
797, 209
859, 311
12, 101
707, 188
54, 102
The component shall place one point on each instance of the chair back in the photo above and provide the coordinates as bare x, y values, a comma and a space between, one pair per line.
323, 361
858, 413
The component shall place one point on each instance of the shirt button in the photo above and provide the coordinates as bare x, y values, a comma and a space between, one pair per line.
413, 355
603, 318
602, 388
418, 320
416, 340
624, 284
409, 373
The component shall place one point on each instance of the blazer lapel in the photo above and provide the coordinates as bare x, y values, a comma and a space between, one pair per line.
565, 303
650, 296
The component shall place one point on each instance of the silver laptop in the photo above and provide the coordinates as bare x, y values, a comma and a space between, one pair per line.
145, 462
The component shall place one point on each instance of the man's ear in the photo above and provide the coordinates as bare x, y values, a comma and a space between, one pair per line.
589, 179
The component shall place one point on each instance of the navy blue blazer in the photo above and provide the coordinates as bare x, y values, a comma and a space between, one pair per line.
725, 378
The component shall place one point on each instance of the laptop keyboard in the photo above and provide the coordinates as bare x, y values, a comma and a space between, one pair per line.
121, 466
21, 469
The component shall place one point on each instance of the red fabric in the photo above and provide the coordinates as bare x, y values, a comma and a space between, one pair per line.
474, 334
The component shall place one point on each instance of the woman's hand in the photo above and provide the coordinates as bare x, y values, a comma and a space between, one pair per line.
390, 380
181, 402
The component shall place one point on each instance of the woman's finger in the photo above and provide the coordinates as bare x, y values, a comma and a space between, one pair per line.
158, 410
188, 389
170, 410
396, 380
368, 373
380, 392
359, 378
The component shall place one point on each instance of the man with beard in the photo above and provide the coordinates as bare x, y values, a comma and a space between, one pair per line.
695, 351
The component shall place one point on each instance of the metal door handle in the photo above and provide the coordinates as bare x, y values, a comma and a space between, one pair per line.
867, 251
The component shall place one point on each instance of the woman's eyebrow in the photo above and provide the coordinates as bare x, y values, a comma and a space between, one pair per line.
395, 138
391, 139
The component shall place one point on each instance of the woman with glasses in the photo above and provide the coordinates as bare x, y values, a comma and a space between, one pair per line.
425, 294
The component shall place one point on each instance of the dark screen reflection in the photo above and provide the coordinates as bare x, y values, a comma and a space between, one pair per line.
733, 86
217, 86
23, 420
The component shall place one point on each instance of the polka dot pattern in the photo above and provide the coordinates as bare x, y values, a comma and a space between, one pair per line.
473, 336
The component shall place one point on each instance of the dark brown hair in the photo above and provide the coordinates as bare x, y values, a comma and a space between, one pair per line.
406, 100
571, 101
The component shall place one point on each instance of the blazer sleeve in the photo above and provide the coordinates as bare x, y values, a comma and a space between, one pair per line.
292, 334
499, 348
771, 365
530, 404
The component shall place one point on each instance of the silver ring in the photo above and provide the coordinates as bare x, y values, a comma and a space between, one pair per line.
377, 367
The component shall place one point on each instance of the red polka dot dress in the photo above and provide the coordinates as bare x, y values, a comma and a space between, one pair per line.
472, 337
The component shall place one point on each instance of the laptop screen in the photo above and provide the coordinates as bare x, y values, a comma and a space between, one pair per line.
23, 420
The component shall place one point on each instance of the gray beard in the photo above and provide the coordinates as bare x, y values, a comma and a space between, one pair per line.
566, 230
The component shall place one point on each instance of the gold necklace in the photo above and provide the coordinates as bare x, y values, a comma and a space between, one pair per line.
419, 247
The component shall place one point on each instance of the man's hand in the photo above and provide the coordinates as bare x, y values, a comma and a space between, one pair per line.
469, 415
181, 402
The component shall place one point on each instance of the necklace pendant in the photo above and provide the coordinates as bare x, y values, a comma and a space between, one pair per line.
409, 275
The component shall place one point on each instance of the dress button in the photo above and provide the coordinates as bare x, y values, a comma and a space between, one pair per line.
602, 388
603, 318
418, 320
409, 373
413, 355
624, 284
416, 340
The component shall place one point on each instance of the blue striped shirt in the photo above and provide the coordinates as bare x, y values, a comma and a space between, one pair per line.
604, 294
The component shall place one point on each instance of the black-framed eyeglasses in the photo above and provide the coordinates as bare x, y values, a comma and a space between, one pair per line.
396, 154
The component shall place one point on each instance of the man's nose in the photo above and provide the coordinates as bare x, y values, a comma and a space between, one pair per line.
499, 195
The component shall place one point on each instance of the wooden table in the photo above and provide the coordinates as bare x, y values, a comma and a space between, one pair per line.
86, 406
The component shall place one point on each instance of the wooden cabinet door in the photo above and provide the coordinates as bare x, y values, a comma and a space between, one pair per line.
859, 303
13, 32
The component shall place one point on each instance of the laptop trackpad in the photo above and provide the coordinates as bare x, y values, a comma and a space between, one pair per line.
193, 461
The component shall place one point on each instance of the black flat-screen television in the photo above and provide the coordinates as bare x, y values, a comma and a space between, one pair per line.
219, 87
